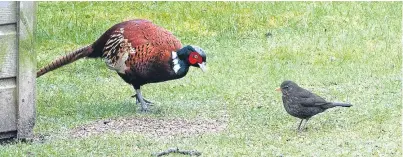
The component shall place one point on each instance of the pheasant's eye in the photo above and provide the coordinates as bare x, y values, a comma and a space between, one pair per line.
194, 58
198, 58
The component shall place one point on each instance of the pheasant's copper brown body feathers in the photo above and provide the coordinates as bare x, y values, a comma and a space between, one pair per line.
140, 52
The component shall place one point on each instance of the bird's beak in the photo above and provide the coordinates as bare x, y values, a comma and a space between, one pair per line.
203, 66
278, 89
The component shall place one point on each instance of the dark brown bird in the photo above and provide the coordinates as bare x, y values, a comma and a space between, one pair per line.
140, 52
303, 104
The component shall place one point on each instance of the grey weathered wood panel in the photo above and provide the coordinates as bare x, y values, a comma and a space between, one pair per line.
8, 113
17, 69
8, 51
26, 76
8, 12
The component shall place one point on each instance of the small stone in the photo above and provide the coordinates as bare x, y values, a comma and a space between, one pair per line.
332, 58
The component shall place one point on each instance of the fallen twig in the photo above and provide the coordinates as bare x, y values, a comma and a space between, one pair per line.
176, 150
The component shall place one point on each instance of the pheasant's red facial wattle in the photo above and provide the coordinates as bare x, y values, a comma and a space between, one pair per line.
194, 58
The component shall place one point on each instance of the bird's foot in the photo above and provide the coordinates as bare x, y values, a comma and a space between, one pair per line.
138, 101
302, 129
144, 107
144, 110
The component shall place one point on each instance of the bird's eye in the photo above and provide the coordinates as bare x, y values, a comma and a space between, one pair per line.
198, 58
285, 87
194, 58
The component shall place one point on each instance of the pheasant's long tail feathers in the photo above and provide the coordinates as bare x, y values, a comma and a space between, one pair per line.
66, 59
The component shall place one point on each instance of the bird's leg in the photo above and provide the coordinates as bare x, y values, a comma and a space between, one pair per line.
299, 126
144, 106
138, 101
306, 121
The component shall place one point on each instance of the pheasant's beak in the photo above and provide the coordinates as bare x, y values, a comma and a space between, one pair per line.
278, 89
202, 66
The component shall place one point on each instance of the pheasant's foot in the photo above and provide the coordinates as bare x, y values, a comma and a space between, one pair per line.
138, 101
144, 109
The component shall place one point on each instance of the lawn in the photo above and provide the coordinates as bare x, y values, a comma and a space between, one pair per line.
343, 51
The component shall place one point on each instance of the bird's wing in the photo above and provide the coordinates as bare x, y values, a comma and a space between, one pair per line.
309, 99
138, 41
142, 32
151, 41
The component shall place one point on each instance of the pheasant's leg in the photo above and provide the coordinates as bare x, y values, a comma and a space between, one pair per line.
144, 106
299, 126
137, 100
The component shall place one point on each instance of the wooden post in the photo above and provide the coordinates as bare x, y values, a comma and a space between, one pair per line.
8, 69
26, 75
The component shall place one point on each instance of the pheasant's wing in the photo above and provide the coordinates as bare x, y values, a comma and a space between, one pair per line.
138, 41
151, 41
160, 40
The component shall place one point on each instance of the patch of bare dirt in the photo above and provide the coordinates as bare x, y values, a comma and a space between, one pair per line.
151, 127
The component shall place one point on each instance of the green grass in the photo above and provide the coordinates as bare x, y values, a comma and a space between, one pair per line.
343, 51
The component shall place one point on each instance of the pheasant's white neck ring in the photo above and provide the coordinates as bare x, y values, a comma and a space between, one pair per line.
175, 61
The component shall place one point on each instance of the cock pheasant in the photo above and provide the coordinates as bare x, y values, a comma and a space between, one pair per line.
140, 52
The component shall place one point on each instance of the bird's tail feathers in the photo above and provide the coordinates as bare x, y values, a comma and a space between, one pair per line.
341, 104
66, 59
